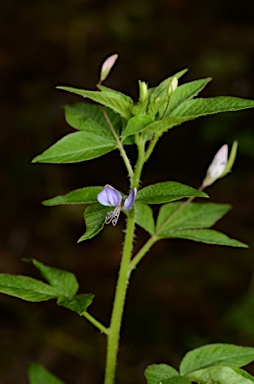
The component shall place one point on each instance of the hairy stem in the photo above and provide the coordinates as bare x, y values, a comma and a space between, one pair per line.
124, 274
140, 141
118, 306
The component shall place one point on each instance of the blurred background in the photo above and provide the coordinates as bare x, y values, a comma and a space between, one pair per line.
184, 294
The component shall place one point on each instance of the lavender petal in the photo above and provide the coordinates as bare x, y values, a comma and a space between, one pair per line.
109, 196
128, 204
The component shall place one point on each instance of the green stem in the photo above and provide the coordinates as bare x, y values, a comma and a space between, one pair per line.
124, 274
140, 141
151, 146
119, 145
95, 322
142, 252
118, 306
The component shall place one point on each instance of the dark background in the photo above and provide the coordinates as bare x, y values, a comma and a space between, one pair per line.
184, 294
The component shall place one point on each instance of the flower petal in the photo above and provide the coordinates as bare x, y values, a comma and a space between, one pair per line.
109, 196
128, 204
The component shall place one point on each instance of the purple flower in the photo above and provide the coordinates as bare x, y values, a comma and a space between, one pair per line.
111, 197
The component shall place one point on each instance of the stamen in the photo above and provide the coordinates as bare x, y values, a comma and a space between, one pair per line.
112, 216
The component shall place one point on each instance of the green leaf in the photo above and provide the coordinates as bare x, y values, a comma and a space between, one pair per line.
136, 124
86, 195
27, 288
40, 375
140, 108
161, 90
194, 215
166, 191
116, 93
185, 92
216, 354
129, 140
163, 125
95, 219
166, 123
62, 284
144, 217
176, 380
78, 303
192, 109
221, 375
90, 118
209, 106
157, 372
158, 97
65, 282
155, 106
115, 100
76, 147
208, 236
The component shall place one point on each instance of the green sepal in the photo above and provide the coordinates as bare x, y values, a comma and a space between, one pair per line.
86, 195
231, 159
167, 191
39, 375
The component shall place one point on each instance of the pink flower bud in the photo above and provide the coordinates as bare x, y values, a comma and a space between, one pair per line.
217, 166
107, 66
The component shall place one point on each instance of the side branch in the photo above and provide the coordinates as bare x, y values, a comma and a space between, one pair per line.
96, 323
119, 145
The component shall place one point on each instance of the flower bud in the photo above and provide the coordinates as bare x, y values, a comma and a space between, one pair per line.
172, 86
217, 166
143, 91
220, 165
107, 66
